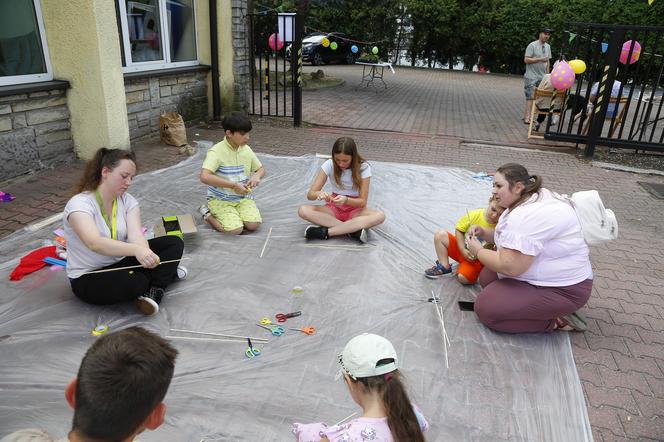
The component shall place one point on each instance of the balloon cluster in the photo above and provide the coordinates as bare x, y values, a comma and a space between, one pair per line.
276, 44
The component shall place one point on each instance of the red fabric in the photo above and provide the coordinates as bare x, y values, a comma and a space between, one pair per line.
32, 262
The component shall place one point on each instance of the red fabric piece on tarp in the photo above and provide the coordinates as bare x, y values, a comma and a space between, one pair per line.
32, 262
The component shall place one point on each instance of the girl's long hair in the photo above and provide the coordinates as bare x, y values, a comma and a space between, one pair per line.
400, 415
109, 158
347, 146
515, 173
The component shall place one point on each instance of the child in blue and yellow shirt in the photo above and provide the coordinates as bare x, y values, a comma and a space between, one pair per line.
231, 171
453, 245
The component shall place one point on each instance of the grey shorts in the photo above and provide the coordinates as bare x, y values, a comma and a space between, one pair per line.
529, 87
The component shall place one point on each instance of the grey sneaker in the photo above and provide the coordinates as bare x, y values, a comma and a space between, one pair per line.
437, 271
204, 211
316, 232
149, 302
361, 235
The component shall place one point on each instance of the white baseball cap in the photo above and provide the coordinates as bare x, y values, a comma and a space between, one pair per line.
368, 355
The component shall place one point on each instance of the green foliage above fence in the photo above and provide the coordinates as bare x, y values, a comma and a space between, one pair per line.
464, 30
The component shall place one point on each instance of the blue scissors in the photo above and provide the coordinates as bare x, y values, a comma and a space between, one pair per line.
252, 352
277, 330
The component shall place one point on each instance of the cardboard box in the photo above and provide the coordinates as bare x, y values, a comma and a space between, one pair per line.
177, 225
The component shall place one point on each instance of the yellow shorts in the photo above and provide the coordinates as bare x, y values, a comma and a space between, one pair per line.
232, 216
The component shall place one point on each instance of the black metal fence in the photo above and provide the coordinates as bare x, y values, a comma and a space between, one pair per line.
617, 101
276, 65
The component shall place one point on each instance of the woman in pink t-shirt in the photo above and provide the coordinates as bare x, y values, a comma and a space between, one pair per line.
540, 275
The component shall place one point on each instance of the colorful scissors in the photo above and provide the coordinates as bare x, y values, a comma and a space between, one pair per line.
306, 330
252, 352
277, 330
282, 317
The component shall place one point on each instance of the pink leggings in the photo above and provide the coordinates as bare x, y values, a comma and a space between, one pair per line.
512, 306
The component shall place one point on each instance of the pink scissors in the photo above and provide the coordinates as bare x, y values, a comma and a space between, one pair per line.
282, 317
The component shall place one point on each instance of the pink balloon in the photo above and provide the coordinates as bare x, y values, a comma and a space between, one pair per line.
275, 42
562, 76
636, 52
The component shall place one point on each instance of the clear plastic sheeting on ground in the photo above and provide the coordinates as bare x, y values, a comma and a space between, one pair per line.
498, 387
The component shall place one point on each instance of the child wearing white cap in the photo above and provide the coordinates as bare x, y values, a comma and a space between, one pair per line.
370, 368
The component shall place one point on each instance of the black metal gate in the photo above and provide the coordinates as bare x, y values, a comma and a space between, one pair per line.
617, 101
275, 42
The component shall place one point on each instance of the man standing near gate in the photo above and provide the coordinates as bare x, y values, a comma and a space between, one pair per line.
538, 54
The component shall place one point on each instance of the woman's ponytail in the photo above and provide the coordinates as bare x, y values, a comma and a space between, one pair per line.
104, 157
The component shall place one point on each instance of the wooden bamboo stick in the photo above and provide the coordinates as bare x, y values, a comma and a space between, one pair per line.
218, 334
132, 267
269, 233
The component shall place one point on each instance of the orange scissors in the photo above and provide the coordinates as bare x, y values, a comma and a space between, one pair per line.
305, 330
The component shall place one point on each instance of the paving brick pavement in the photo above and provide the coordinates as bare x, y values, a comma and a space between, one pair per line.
620, 359
44, 194
468, 105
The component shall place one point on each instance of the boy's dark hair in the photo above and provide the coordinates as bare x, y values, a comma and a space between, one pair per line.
236, 122
122, 378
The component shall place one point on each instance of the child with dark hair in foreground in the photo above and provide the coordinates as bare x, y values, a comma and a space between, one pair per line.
119, 390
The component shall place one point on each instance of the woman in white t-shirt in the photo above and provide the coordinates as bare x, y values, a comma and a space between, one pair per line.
345, 210
102, 225
540, 275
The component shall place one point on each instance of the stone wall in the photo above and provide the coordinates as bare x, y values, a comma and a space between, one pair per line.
34, 132
241, 58
149, 97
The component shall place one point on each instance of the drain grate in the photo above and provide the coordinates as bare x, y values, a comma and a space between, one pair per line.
655, 189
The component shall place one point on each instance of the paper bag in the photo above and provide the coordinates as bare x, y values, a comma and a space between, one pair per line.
172, 130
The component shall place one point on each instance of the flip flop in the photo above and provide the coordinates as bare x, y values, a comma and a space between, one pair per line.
526, 122
574, 322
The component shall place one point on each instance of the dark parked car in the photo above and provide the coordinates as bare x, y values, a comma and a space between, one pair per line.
314, 52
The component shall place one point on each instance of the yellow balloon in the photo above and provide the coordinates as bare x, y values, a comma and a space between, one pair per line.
579, 66
325, 42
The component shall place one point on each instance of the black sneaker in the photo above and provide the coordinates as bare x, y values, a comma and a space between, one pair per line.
316, 232
149, 302
360, 235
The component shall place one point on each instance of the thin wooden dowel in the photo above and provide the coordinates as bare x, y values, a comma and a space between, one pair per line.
345, 419
269, 233
185, 338
217, 334
133, 267
443, 333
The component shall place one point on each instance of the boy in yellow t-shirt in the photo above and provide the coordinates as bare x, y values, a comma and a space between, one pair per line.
231, 171
453, 245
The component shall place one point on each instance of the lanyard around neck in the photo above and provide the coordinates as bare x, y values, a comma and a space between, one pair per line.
113, 222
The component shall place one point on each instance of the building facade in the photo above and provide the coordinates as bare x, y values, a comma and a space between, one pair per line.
78, 75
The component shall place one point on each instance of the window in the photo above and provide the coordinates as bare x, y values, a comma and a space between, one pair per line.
158, 34
23, 51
